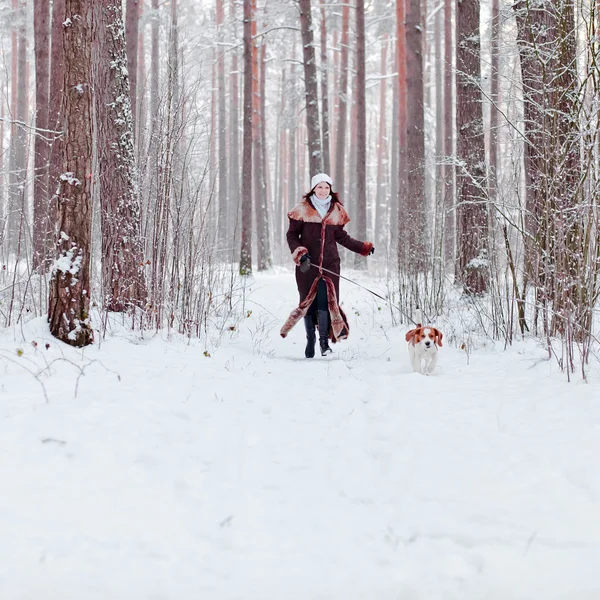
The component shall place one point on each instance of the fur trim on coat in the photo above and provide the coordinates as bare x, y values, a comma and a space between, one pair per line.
307, 213
338, 328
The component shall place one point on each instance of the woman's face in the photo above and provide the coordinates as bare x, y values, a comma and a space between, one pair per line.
322, 190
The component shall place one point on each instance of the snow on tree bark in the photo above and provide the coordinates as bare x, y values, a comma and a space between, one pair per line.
556, 215
123, 282
132, 17
69, 301
472, 212
246, 234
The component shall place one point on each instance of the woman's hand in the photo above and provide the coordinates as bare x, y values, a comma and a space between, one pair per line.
305, 263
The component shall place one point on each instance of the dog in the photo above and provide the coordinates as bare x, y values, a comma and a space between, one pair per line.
423, 344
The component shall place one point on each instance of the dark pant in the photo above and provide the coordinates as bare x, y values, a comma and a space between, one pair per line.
320, 302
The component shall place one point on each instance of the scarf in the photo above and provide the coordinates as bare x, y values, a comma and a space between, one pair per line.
322, 206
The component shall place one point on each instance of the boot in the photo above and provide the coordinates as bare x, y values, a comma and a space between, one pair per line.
323, 316
311, 336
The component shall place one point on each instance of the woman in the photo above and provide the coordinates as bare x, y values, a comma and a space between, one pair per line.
316, 228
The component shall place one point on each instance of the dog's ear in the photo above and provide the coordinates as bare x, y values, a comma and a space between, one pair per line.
410, 335
438, 336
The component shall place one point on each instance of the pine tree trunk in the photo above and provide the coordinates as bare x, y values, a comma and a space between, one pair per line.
340, 144
131, 32
350, 198
381, 204
402, 199
415, 140
17, 210
123, 282
262, 196
439, 136
140, 120
222, 227
69, 301
448, 149
41, 225
361, 133
393, 173
554, 217
246, 232
494, 114
472, 216
313, 129
55, 117
154, 68
325, 93
234, 141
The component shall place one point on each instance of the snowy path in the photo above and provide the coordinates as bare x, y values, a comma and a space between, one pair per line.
258, 475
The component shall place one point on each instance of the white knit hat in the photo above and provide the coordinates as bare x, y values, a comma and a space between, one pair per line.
318, 178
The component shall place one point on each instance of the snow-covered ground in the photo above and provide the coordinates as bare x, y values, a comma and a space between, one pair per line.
155, 472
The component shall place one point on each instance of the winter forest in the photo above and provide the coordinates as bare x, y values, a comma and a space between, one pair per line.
151, 151
162, 437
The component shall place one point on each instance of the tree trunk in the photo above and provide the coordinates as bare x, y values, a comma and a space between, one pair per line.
122, 251
17, 209
222, 227
415, 141
131, 34
246, 233
472, 217
439, 137
313, 129
68, 311
402, 199
448, 150
261, 198
554, 220
325, 93
340, 143
393, 173
140, 119
154, 69
361, 133
494, 114
381, 203
55, 117
234, 143
41, 223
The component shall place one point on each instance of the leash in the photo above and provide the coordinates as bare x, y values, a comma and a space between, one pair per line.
368, 290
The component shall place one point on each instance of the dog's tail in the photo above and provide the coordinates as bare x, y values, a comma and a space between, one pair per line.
418, 317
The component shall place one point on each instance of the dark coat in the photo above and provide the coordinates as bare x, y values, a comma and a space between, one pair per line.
309, 233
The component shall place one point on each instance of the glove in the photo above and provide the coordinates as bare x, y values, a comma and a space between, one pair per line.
372, 250
305, 263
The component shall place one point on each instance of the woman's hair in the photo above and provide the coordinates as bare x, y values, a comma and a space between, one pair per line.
334, 195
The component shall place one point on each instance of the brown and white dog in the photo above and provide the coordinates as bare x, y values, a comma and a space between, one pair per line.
423, 344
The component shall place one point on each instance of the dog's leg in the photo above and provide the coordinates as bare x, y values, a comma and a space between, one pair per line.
413, 360
432, 363
416, 363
